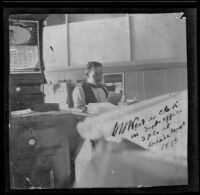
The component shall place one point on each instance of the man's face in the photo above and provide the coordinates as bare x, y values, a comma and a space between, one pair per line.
95, 75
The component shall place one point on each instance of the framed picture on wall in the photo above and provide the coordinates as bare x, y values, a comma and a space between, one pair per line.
114, 82
24, 46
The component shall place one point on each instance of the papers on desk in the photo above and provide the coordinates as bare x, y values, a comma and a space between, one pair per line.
98, 108
63, 106
20, 112
131, 101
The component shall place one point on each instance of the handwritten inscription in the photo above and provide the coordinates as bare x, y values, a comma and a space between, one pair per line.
156, 128
128, 125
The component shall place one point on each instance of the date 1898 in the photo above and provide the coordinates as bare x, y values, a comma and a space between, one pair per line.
169, 143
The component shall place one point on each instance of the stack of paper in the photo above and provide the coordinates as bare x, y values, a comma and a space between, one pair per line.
19, 112
98, 108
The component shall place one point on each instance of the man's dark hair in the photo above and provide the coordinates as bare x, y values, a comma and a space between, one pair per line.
93, 64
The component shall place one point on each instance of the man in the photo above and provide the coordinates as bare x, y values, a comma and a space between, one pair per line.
91, 91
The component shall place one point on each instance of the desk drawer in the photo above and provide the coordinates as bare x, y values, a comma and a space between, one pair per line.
30, 167
31, 142
26, 98
25, 101
36, 172
20, 89
41, 180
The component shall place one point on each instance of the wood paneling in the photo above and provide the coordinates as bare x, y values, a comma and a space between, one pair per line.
74, 75
170, 80
182, 78
142, 80
140, 86
175, 79
130, 80
153, 83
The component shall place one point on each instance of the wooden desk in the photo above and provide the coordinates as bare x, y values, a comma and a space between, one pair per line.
41, 149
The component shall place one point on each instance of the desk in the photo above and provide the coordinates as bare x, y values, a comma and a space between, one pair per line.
42, 147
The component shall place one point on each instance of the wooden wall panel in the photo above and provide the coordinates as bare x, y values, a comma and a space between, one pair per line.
130, 84
153, 83
175, 79
182, 78
140, 86
170, 80
65, 75
141, 83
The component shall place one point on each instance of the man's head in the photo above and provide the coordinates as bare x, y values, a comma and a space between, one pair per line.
94, 72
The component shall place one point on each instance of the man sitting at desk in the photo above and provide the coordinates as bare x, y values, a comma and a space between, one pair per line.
91, 91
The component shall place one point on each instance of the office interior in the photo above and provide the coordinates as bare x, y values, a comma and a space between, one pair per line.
144, 56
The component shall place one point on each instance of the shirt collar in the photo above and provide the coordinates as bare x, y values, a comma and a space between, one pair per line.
93, 85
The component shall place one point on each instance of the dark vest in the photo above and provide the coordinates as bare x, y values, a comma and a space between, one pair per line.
89, 95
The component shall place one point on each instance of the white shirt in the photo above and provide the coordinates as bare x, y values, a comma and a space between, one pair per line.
79, 96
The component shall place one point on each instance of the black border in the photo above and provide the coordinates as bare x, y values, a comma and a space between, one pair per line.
110, 7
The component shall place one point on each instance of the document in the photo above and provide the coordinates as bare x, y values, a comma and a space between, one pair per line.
158, 124
98, 108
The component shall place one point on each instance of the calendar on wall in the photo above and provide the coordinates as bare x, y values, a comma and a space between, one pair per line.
24, 52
